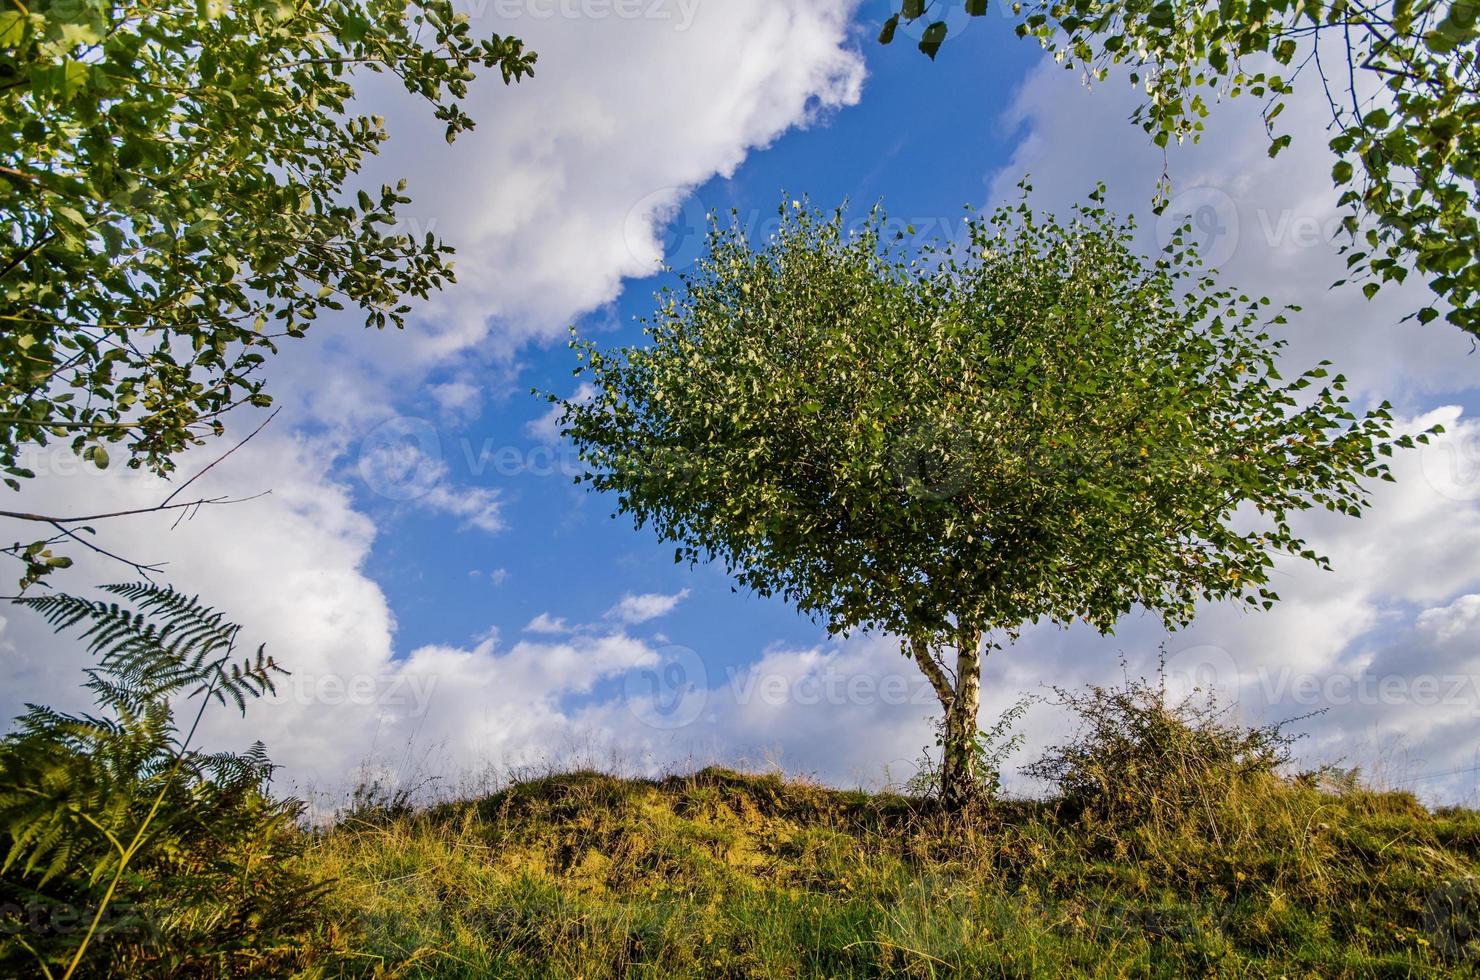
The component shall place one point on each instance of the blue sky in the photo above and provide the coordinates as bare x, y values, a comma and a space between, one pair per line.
386, 554
922, 140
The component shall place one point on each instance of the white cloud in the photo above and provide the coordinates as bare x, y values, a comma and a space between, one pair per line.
289, 567
621, 115
1264, 223
635, 609
549, 625
850, 711
459, 400
492, 707
557, 196
401, 461
478, 507
1457, 618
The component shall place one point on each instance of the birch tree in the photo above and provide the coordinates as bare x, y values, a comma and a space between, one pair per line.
1036, 426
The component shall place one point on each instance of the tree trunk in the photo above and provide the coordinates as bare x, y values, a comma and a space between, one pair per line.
958, 775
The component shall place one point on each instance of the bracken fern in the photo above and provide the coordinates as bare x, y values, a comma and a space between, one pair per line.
126, 850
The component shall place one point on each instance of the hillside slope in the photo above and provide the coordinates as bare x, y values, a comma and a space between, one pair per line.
727, 875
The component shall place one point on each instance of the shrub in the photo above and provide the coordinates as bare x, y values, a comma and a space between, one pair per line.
1138, 754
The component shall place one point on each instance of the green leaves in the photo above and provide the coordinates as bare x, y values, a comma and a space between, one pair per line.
1409, 153
933, 38
157, 246
115, 814
13, 25
63, 78
1037, 424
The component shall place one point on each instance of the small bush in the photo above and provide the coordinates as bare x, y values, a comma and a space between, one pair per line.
1137, 754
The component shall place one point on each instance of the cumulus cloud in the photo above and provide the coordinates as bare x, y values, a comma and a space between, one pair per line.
635, 609
493, 707
402, 461
850, 711
1268, 225
478, 507
562, 190
289, 567
459, 400
538, 202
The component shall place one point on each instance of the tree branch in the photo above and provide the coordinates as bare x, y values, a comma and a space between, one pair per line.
45, 519
145, 570
218, 459
933, 670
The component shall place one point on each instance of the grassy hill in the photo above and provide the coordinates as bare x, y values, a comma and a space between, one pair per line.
721, 874
1171, 841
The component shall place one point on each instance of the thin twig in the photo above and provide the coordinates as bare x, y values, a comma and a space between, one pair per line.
144, 570
218, 459
44, 519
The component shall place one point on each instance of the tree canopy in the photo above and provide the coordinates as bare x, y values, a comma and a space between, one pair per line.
1401, 78
1034, 425
175, 180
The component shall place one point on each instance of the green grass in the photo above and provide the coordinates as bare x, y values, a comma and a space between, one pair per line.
727, 875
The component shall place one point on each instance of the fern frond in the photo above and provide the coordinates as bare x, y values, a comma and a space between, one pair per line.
172, 642
78, 793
